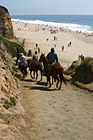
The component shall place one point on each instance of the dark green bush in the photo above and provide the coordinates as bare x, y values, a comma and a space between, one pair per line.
13, 100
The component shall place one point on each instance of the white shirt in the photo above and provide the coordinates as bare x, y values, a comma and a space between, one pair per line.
22, 59
35, 58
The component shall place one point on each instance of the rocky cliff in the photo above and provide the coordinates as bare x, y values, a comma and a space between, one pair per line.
6, 28
11, 111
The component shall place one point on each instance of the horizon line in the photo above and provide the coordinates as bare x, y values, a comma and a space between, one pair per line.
51, 14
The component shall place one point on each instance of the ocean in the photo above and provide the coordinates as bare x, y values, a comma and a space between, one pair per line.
83, 23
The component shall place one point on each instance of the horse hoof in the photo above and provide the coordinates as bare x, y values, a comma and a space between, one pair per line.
32, 77
59, 88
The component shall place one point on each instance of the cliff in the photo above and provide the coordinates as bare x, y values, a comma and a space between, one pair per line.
6, 28
11, 111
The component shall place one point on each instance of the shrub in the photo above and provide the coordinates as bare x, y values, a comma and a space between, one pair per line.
84, 73
13, 100
11, 47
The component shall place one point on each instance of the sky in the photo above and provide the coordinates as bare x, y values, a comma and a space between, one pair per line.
42, 7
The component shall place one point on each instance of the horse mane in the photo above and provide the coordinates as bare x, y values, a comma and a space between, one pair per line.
45, 60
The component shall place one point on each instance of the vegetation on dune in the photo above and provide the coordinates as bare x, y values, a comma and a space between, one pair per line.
9, 102
84, 72
81, 71
11, 47
3, 8
2, 55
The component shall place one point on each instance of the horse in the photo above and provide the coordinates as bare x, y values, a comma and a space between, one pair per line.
23, 68
35, 67
56, 71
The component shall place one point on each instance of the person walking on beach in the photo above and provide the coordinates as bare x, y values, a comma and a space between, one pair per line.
36, 45
62, 48
29, 53
38, 50
52, 57
55, 38
23, 42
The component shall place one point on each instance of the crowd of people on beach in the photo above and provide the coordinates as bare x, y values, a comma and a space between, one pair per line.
37, 48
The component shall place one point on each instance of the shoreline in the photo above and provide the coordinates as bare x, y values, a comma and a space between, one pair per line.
81, 43
62, 25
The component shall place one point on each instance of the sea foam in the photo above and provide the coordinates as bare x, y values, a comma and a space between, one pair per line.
74, 27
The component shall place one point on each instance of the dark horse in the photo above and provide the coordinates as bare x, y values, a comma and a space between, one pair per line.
56, 71
23, 68
35, 67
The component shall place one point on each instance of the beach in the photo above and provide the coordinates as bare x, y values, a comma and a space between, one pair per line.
53, 114
53, 106
43, 35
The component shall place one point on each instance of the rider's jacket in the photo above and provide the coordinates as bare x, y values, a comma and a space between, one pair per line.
52, 57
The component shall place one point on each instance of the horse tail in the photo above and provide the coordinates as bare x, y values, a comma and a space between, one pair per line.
62, 77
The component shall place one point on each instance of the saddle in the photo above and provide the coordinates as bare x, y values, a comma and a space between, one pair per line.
50, 65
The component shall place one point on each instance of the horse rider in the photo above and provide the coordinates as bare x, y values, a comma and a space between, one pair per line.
35, 57
18, 55
51, 57
22, 59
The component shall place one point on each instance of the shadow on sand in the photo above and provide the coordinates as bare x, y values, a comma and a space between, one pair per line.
39, 88
39, 85
29, 80
18, 76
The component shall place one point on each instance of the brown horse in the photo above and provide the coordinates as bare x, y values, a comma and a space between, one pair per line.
35, 67
56, 71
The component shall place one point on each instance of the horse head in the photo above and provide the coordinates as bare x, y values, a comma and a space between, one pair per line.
43, 59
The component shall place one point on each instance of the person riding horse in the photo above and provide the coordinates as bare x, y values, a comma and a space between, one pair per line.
23, 64
18, 55
22, 59
35, 57
51, 57
35, 66
56, 70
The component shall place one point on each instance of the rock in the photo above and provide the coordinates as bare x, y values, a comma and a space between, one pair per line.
6, 28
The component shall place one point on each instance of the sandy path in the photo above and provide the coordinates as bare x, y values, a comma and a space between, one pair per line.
65, 114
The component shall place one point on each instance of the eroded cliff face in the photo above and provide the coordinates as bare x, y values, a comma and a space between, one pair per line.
6, 28
11, 111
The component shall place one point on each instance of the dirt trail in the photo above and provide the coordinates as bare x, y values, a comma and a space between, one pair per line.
51, 114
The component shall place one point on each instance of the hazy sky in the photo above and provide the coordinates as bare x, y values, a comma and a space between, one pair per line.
30, 7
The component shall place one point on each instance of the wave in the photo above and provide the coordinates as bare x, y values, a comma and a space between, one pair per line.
74, 27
